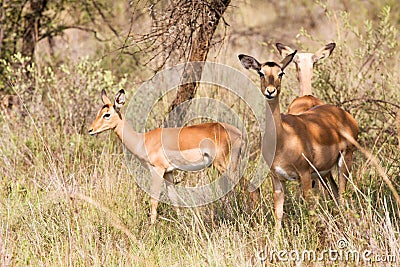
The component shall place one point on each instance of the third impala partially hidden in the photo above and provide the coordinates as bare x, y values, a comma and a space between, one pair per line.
305, 63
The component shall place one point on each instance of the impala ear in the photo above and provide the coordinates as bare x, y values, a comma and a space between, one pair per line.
324, 52
283, 50
249, 62
119, 99
104, 97
286, 61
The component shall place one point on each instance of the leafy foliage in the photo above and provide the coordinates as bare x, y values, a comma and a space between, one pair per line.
24, 23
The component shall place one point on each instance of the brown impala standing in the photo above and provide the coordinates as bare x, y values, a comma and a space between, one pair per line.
307, 145
164, 150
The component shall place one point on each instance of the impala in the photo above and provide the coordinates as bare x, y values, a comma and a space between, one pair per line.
305, 67
308, 145
164, 150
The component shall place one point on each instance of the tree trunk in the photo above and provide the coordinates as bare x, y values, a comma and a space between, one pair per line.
32, 26
397, 123
2, 24
200, 47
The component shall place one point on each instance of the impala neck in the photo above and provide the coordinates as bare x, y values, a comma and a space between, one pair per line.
305, 83
131, 139
273, 130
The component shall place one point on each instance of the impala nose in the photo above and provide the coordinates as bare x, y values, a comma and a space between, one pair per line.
270, 92
90, 131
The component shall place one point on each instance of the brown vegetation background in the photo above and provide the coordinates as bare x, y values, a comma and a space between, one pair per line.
69, 199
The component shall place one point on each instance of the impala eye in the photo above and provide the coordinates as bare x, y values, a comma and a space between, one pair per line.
281, 74
106, 116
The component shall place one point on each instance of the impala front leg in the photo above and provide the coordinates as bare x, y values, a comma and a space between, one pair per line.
155, 191
306, 183
279, 198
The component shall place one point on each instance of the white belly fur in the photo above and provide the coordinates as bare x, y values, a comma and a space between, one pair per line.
196, 163
294, 176
283, 174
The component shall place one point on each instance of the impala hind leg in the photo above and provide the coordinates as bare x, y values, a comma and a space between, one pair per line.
330, 185
222, 169
155, 191
228, 164
344, 164
171, 191
245, 185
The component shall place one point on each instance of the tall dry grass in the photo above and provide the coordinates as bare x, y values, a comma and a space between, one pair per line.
68, 199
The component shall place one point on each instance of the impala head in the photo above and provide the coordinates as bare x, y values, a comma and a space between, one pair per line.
109, 115
270, 73
305, 63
